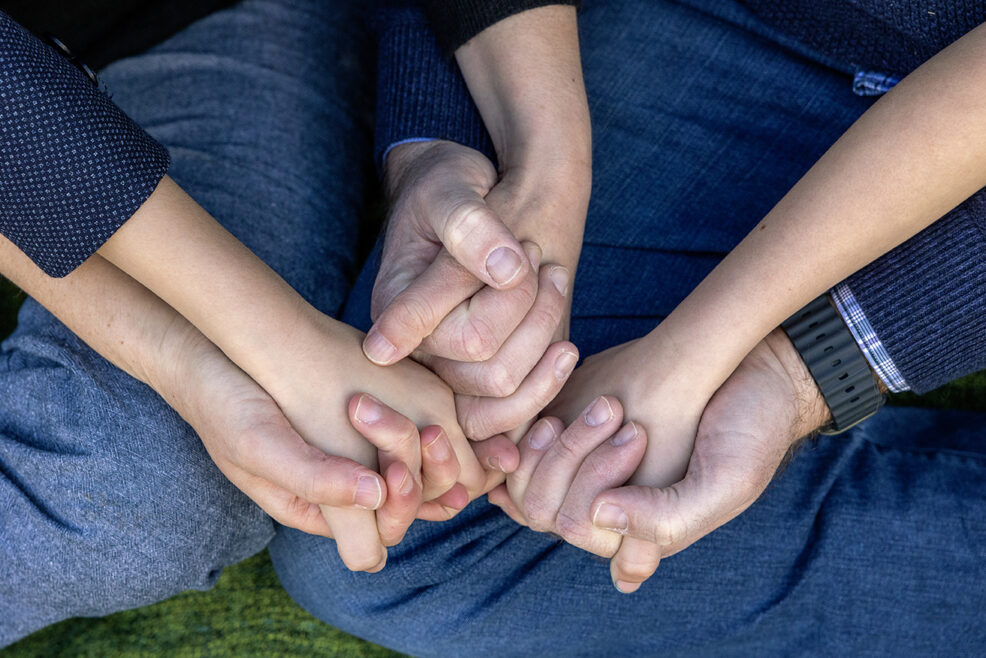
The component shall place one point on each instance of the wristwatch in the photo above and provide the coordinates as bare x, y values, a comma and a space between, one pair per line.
835, 361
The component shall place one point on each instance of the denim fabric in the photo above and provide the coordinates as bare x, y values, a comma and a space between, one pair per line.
107, 498
870, 543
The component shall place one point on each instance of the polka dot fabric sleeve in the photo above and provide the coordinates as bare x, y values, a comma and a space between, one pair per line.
73, 166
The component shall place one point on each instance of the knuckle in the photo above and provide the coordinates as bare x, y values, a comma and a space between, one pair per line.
473, 417
478, 340
295, 508
463, 220
539, 516
499, 380
570, 447
361, 562
545, 316
574, 531
246, 448
636, 570
669, 530
415, 314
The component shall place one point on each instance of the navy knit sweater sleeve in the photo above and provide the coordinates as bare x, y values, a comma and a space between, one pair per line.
926, 299
73, 166
420, 94
457, 21
420, 91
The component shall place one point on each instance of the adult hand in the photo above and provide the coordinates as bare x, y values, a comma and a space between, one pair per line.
744, 434
525, 75
425, 296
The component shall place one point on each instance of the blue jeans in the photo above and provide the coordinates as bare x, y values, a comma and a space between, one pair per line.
108, 499
870, 543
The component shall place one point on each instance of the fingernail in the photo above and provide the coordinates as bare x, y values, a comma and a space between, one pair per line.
625, 587
533, 254
368, 410
378, 349
494, 463
599, 412
439, 450
368, 492
559, 277
503, 265
451, 511
542, 435
407, 483
565, 364
611, 517
625, 435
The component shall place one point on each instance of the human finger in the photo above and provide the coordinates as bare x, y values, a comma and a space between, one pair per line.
483, 417
277, 454
393, 434
498, 454
357, 538
288, 509
417, 310
477, 328
556, 470
403, 499
609, 465
532, 449
445, 506
501, 498
635, 562
673, 517
501, 374
479, 240
440, 467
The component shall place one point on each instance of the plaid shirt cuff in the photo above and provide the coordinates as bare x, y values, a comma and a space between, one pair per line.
866, 338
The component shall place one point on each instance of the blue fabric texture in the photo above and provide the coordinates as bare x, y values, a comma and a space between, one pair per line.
420, 93
73, 167
871, 543
892, 37
108, 499
926, 299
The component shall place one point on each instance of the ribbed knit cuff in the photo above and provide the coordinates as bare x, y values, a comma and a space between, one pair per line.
457, 21
73, 166
420, 93
926, 299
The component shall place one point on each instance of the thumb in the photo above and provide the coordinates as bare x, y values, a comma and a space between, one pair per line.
479, 240
674, 517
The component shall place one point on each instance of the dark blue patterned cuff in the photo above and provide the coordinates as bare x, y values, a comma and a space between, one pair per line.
73, 166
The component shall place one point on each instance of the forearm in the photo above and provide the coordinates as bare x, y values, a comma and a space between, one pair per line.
116, 316
525, 75
180, 253
914, 155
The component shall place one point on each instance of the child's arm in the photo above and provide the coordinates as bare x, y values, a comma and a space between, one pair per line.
916, 154
310, 364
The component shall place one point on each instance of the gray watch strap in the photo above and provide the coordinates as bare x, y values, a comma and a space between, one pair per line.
837, 364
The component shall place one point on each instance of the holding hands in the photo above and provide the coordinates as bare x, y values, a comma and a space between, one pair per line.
569, 480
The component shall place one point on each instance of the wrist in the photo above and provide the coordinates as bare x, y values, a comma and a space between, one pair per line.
525, 75
546, 205
812, 411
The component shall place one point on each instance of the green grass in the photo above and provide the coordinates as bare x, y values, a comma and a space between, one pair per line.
248, 613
